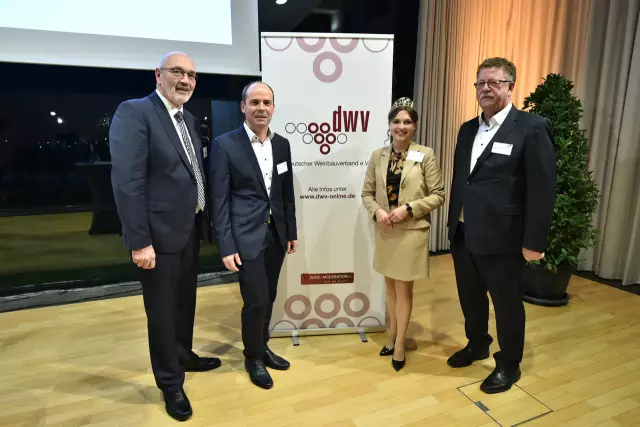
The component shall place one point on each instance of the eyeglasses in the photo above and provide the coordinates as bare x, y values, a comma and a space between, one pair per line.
493, 84
178, 73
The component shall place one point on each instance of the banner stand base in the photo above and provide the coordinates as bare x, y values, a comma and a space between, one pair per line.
296, 333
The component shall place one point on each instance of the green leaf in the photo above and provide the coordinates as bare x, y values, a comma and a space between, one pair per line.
577, 195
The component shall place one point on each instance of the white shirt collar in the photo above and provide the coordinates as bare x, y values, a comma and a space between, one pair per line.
497, 118
170, 107
253, 136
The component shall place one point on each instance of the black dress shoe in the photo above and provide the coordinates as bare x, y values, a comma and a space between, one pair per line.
468, 355
177, 405
386, 351
258, 373
500, 380
201, 364
273, 361
398, 364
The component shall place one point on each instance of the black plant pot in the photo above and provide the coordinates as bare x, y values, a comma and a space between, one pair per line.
542, 287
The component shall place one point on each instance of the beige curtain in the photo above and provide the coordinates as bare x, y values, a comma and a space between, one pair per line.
611, 98
539, 36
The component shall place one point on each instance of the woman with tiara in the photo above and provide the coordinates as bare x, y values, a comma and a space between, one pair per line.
402, 186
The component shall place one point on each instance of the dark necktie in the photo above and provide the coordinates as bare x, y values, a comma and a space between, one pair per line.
193, 159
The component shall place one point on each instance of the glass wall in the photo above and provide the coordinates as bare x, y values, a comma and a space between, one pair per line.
58, 223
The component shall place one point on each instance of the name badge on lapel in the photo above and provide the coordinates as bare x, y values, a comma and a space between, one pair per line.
282, 168
415, 156
502, 148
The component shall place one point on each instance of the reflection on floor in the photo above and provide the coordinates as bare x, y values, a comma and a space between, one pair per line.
50, 249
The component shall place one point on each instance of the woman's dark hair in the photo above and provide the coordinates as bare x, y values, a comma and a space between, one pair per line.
413, 114
410, 110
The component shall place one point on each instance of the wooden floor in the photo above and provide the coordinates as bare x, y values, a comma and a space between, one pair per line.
88, 364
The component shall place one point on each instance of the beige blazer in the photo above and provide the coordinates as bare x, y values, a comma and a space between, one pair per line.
420, 185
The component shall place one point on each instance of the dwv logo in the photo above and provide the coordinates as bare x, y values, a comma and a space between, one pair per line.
325, 134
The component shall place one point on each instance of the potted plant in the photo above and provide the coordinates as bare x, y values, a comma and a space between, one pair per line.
545, 282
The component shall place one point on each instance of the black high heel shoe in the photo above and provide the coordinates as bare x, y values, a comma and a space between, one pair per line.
386, 351
398, 364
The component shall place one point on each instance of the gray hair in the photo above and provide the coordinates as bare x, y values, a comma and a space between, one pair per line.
166, 56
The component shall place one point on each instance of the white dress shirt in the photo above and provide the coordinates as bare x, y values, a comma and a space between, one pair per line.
486, 133
172, 111
264, 154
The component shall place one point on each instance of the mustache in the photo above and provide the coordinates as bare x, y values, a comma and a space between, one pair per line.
181, 87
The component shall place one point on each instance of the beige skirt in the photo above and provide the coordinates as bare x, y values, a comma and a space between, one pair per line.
401, 254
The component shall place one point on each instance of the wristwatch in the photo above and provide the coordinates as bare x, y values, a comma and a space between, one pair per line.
409, 210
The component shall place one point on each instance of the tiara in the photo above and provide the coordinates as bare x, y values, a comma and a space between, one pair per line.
403, 102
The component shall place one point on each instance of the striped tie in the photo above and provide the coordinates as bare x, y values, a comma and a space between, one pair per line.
191, 154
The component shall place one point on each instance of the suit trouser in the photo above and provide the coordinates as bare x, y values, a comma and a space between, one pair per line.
258, 287
501, 275
169, 293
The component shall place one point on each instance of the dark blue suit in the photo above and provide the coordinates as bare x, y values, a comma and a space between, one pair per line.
508, 203
156, 195
242, 224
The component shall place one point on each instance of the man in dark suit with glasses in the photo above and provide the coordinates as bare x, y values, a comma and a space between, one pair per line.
502, 200
158, 182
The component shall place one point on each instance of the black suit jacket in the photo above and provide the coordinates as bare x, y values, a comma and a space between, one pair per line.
153, 182
508, 199
240, 204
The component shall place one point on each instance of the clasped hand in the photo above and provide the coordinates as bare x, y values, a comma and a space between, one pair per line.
393, 217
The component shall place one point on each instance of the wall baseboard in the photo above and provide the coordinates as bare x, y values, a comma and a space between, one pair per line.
116, 290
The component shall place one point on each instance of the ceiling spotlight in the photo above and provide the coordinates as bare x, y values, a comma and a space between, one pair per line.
53, 113
281, 1
59, 120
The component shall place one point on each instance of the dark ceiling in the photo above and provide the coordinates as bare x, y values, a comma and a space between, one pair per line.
397, 17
